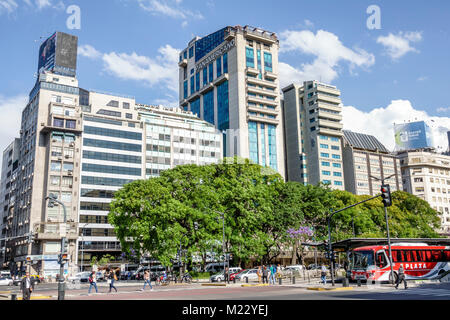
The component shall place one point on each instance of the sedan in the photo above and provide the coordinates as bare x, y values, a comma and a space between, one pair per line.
6, 282
79, 277
251, 275
217, 277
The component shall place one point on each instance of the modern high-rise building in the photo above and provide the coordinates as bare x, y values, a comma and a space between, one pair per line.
230, 79
10, 165
426, 174
313, 134
364, 157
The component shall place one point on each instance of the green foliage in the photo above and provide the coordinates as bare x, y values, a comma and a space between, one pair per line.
158, 216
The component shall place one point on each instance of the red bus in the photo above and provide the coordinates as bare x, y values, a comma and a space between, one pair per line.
419, 260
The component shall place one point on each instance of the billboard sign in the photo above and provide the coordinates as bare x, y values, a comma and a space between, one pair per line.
413, 135
59, 54
47, 53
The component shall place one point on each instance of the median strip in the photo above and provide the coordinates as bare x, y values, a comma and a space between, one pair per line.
37, 298
330, 289
255, 285
214, 285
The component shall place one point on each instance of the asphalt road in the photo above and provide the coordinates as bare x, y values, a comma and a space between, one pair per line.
438, 291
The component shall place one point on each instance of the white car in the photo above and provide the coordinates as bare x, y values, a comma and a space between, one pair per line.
6, 282
251, 274
79, 277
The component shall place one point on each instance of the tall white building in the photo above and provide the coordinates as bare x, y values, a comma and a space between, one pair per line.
313, 134
230, 79
426, 174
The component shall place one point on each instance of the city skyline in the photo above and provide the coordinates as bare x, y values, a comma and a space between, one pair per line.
314, 44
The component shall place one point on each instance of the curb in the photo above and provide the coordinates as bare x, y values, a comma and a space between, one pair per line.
255, 285
329, 289
37, 298
214, 285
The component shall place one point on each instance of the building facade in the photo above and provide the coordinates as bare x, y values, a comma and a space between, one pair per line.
313, 134
230, 79
426, 174
10, 165
364, 157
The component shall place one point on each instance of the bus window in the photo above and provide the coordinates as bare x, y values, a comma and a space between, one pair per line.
419, 255
407, 256
396, 256
447, 255
414, 255
428, 257
436, 255
381, 260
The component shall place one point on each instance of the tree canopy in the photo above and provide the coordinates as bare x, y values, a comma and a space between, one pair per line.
183, 209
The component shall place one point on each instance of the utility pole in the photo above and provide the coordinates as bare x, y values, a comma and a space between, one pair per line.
387, 201
61, 283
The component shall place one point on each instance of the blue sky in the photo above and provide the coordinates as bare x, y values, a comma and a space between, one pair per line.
399, 72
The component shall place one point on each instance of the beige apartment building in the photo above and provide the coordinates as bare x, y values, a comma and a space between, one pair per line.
366, 162
426, 174
313, 133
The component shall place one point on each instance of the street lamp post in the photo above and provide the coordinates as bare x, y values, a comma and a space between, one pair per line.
82, 247
222, 215
391, 278
61, 283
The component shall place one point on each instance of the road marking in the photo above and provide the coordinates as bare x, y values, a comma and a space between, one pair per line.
424, 292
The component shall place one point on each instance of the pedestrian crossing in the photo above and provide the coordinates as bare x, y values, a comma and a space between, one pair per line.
422, 292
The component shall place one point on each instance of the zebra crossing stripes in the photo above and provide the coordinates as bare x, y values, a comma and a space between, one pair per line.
423, 292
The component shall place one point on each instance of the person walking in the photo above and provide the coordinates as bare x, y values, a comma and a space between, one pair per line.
264, 274
111, 278
259, 274
27, 286
147, 280
323, 274
401, 277
93, 282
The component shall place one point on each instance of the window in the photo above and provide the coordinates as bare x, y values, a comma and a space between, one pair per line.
109, 113
113, 103
324, 155
192, 85
225, 63
58, 123
324, 146
56, 152
55, 180
126, 105
191, 52
335, 147
70, 124
104, 181
253, 141
325, 164
129, 115
336, 156
113, 133
195, 107
111, 169
67, 166
337, 165
250, 57
326, 181
326, 173
211, 72
267, 61
111, 157
66, 197
338, 183
185, 90
205, 76
208, 106
334, 139
197, 81
323, 137
337, 174
219, 66
55, 166
68, 152
272, 146
223, 116
112, 145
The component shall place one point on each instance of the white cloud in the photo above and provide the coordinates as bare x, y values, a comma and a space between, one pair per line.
380, 122
329, 52
398, 45
8, 6
170, 8
11, 108
43, 3
447, 109
162, 70
89, 52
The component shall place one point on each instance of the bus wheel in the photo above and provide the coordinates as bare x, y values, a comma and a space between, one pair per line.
395, 277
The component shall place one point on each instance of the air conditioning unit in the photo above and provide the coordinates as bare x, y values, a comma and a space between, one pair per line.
42, 124
70, 173
59, 158
72, 144
70, 186
53, 140
66, 156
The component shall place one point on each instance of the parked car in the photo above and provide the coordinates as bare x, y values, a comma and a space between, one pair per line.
100, 276
79, 277
34, 278
214, 267
6, 281
314, 267
294, 270
250, 274
233, 275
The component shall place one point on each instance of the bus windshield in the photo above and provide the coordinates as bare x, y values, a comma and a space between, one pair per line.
363, 259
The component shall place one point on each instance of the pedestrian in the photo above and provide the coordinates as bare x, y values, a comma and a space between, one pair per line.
111, 278
259, 274
401, 277
264, 274
225, 276
279, 271
273, 271
27, 286
147, 280
323, 274
93, 282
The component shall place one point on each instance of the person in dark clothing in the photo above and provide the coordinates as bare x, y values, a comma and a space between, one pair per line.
111, 278
265, 272
401, 277
27, 286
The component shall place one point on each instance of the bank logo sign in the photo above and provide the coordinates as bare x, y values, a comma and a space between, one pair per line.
413, 135
221, 50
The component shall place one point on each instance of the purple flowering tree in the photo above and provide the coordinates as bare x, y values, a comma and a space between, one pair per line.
297, 236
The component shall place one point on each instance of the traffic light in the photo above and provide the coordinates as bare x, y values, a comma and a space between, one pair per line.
386, 195
62, 258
